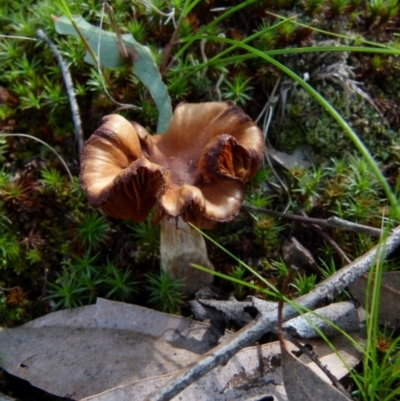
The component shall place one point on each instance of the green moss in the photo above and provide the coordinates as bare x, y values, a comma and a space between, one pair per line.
306, 123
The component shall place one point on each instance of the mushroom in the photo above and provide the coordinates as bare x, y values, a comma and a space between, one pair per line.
193, 173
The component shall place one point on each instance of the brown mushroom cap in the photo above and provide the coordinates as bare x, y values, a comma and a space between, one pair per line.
115, 175
196, 170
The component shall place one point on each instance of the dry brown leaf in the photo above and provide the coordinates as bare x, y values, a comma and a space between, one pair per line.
76, 363
115, 351
389, 308
80, 352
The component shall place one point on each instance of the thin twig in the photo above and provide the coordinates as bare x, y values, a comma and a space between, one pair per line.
331, 242
267, 320
336, 222
332, 222
69, 86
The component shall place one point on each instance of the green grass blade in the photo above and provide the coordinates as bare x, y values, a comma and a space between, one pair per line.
234, 280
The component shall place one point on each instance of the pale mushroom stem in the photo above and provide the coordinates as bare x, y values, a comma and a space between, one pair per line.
180, 246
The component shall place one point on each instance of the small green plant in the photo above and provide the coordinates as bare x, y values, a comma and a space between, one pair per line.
92, 230
381, 11
338, 7
307, 186
119, 284
328, 268
258, 199
4, 220
268, 39
313, 6
238, 90
3, 149
14, 192
354, 191
280, 268
13, 304
147, 236
4, 178
267, 231
78, 284
52, 180
263, 176
67, 292
137, 29
165, 295
360, 178
178, 89
10, 251
285, 32
238, 274
54, 96
304, 284
33, 256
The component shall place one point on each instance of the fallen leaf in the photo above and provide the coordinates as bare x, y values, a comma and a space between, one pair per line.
389, 307
303, 384
115, 351
80, 352
86, 361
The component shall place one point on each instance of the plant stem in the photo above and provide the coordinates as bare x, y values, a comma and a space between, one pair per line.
180, 246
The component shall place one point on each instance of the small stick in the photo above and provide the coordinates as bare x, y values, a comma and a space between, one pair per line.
332, 222
336, 222
332, 243
69, 86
